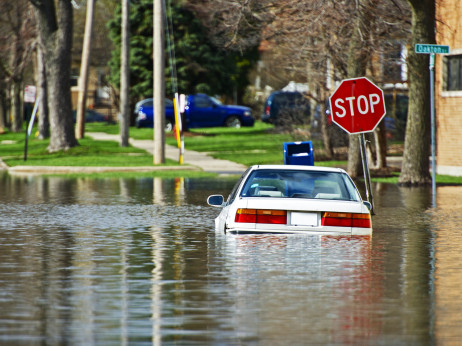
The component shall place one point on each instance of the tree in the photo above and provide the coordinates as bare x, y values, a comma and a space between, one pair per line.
16, 48
55, 38
349, 36
200, 65
42, 88
235, 24
415, 167
358, 56
92, 51
314, 41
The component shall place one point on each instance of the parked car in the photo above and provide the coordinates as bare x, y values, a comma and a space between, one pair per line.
286, 107
144, 111
200, 111
294, 199
144, 103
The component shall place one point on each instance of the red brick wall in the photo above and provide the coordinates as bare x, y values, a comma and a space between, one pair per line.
448, 105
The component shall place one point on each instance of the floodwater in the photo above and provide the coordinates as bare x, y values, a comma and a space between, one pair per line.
137, 261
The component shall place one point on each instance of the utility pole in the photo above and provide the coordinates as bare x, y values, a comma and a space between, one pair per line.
124, 109
159, 84
84, 67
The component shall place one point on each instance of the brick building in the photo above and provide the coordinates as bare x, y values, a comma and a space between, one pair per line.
448, 88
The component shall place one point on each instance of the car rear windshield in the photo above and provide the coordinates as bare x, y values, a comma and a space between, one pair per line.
300, 184
290, 100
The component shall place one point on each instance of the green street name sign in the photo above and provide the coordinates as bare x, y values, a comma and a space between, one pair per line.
431, 49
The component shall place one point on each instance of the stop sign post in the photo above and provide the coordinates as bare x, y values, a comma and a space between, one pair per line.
358, 106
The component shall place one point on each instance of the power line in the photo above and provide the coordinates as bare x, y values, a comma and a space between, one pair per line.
171, 46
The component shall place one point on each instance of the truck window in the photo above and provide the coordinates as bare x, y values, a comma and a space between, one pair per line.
202, 101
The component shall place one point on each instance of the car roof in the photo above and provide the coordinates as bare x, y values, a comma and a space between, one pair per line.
300, 168
144, 101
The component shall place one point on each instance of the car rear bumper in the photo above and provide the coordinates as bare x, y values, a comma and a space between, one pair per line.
285, 231
300, 230
266, 119
359, 232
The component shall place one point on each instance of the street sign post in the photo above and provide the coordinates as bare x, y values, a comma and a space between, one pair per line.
432, 49
358, 106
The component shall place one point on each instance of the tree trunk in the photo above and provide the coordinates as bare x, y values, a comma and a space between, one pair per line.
55, 32
43, 119
16, 108
415, 167
3, 119
354, 167
325, 133
326, 140
357, 61
380, 137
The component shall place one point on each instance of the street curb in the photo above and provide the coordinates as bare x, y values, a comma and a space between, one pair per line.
3, 166
39, 170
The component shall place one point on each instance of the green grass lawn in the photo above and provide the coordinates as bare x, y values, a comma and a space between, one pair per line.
247, 145
89, 153
440, 179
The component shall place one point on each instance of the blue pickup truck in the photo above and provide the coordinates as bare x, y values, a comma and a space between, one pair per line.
200, 111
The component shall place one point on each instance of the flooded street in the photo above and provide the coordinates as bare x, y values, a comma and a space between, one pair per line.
137, 261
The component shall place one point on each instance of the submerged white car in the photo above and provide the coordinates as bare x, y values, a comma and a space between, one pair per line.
293, 199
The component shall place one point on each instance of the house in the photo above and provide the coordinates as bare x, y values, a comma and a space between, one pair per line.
98, 92
448, 88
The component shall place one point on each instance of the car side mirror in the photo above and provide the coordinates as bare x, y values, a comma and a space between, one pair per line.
215, 200
368, 205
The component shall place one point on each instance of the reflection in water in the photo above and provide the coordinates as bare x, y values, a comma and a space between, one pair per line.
288, 288
156, 285
447, 220
158, 194
124, 292
136, 261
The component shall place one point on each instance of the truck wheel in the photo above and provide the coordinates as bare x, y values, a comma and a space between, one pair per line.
168, 125
233, 121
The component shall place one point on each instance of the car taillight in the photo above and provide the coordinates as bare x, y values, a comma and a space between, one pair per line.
261, 216
346, 220
267, 110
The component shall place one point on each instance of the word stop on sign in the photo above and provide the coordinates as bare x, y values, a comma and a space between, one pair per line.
362, 104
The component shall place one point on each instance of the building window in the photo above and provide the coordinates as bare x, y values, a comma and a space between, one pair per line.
452, 73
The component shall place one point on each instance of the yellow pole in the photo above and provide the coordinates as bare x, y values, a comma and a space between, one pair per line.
178, 127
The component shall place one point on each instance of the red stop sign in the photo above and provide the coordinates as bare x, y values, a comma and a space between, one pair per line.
357, 105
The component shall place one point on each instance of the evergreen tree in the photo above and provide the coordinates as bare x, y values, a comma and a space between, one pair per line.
200, 66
